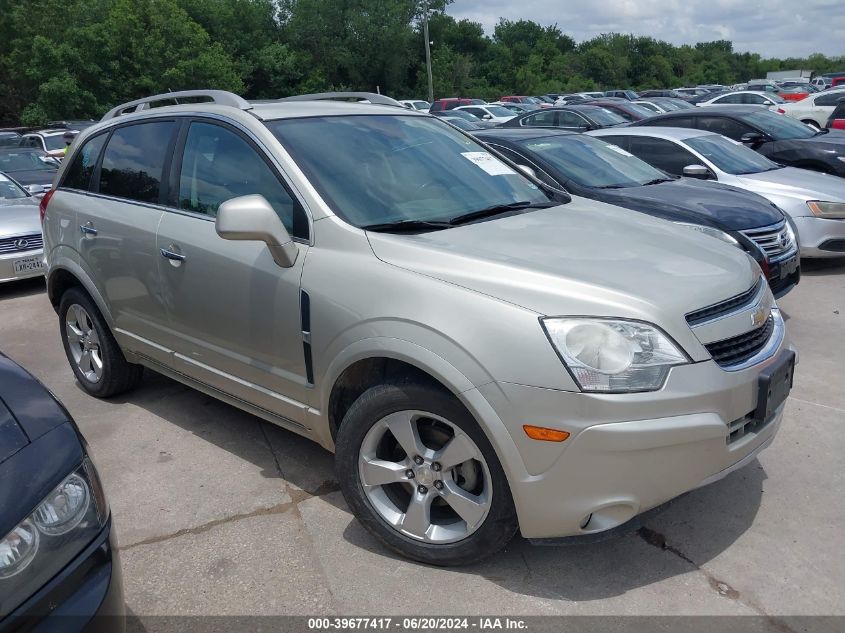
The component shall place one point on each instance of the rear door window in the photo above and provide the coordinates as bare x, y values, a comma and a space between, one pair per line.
722, 125
133, 161
541, 119
78, 175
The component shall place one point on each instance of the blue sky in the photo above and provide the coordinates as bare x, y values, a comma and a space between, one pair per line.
773, 28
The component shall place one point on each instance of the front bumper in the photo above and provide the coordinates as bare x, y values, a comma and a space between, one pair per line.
820, 237
628, 453
85, 597
7, 265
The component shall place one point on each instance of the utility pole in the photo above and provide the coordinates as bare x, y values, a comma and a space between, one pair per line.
428, 54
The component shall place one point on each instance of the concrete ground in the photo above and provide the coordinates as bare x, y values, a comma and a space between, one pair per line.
218, 512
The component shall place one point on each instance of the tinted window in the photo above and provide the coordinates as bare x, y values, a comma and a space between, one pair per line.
540, 119
57, 141
134, 159
78, 175
724, 126
387, 168
829, 99
663, 154
729, 156
218, 165
777, 126
675, 121
32, 141
603, 116
476, 112
571, 119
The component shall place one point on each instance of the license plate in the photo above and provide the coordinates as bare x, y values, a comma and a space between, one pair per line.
29, 265
788, 267
775, 383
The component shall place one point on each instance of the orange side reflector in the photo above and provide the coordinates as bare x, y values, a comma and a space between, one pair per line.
542, 433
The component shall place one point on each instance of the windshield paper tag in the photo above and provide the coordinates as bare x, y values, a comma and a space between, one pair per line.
488, 163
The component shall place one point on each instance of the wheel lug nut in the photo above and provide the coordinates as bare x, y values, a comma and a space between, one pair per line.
418, 460
438, 484
422, 490
435, 467
409, 474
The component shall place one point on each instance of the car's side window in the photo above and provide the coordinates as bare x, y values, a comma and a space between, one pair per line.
724, 126
475, 111
540, 119
754, 99
663, 154
735, 98
218, 164
133, 161
78, 174
571, 119
829, 100
31, 141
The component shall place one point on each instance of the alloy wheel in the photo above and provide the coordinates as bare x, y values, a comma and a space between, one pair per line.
84, 343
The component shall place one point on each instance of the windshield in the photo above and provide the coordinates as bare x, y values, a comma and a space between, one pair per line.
777, 126
775, 98
603, 116
373, 169
10, 190
462, 123
461, 114
591, 162
640, 110
499, 111
730, 157
26, 161
57, 141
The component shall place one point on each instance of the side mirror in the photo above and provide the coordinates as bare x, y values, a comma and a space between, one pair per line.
752, 138
697, 171
36, 190
525, 169
252, 218
487, 117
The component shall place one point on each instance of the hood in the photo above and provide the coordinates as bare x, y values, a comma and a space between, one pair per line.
791, 182
28, 401
19, 217
585, 257
833, 140
34, 176
690, 200
12, 437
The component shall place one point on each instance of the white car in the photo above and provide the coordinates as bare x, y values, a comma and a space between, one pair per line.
746, 97
814, 202
489, 112
415, 104
51, 141
815, 109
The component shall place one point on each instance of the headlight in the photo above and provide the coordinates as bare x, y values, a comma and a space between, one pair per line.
831, 210
712, 232
614, 355
60, 527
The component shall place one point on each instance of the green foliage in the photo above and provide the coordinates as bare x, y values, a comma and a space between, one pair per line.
77, 58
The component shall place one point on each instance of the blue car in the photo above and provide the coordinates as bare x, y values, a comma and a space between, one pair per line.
59, 566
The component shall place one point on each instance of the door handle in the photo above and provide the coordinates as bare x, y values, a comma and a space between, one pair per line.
176, 257
87, 229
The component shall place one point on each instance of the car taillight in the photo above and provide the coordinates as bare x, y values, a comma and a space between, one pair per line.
42, 206
781, 111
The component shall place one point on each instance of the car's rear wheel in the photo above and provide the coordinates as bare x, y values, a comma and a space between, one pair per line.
421, 475
91, 350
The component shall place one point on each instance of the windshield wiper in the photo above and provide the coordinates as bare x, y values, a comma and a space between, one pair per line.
655, 181
824, 130
407, 225
498, 209
612, 187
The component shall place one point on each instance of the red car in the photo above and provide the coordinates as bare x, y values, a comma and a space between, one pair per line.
450, 103
837, 117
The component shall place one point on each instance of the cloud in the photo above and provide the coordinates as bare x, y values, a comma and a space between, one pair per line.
772, 28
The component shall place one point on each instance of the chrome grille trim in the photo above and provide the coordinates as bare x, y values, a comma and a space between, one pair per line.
773, 240
15, 243
725, 308
765, 352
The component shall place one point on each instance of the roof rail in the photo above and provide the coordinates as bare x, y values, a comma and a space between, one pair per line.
372, 97
220, 97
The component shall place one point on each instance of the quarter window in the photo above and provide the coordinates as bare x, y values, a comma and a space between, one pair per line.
133, 161
78, 175
218, 165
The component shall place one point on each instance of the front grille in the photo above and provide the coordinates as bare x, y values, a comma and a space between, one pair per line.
745, 425
20, 243
738, 349
724, 307
774, 240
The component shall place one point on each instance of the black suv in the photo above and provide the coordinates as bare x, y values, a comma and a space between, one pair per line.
777, 137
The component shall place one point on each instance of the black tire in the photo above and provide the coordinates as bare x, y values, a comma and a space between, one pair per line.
498, 526
118, 375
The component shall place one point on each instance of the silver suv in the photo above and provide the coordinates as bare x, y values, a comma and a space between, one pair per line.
481, 353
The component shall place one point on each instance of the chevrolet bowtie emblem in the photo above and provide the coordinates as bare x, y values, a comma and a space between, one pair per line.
759, 316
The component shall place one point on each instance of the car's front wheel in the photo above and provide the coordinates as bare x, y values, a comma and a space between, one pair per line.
91, 350
421, 475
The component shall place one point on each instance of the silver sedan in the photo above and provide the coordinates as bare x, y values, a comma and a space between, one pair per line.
21, 250
815, 202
